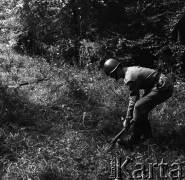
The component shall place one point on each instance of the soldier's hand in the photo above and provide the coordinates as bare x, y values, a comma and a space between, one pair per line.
126, 124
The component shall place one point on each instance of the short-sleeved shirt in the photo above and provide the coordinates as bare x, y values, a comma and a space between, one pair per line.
142, 77
137, 78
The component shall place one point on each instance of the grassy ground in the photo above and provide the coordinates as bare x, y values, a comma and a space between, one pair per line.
56, 122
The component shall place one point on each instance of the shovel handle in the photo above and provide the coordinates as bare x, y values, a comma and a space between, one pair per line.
111, 144
117, 136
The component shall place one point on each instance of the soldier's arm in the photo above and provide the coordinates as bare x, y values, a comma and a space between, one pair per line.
133, 97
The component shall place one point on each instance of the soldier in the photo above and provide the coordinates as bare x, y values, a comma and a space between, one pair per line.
157, 88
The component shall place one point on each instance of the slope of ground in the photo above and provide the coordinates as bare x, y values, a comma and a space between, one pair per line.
55, 122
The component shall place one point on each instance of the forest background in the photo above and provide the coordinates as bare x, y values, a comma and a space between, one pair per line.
58, 108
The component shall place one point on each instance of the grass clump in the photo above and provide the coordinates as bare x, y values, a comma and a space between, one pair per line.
58, 127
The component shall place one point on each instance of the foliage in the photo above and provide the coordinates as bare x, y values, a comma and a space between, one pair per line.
58, 128
56, 119
82, 33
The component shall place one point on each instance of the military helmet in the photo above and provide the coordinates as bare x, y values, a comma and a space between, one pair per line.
110, 66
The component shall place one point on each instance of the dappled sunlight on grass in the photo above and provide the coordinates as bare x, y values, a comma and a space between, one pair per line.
40, 118
59, 127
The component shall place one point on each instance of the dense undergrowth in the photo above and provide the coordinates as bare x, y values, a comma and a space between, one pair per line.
58, 127
57, 119
137, 32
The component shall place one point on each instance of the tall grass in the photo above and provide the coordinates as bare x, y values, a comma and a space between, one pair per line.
57, 128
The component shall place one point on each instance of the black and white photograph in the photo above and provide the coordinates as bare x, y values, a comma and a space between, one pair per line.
92, 89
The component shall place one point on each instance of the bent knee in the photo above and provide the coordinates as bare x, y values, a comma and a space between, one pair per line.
141, 108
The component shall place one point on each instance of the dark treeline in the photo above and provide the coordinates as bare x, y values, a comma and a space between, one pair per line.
138, 32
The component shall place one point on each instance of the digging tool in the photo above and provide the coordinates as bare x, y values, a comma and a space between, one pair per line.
112, 143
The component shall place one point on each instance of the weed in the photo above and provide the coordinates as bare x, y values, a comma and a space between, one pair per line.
58, 128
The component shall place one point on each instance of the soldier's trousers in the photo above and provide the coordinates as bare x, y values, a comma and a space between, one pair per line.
143, 106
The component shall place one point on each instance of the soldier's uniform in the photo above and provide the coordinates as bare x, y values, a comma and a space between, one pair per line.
157, 88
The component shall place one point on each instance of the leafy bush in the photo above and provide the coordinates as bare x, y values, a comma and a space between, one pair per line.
58, 127
83, 33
